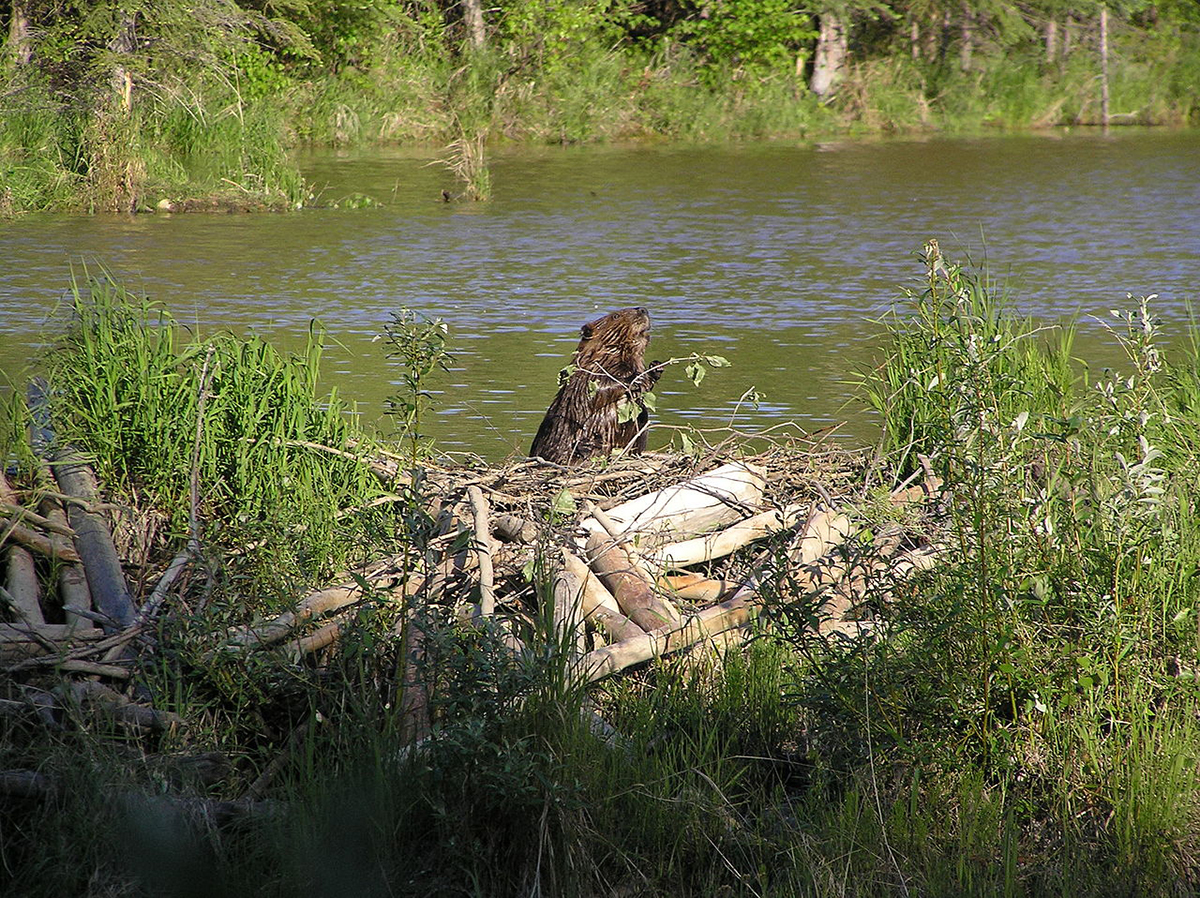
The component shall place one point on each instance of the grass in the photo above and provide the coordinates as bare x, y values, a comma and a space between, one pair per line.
1028, 725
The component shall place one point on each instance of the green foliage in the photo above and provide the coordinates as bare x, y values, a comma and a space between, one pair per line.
160, 411
418, 344
758, 37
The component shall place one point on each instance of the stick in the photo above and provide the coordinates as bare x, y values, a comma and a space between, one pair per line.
33, 518
54, 549
483, 550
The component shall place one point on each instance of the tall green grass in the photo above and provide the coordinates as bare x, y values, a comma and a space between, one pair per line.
161, 410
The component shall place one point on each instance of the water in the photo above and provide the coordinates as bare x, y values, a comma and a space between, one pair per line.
775, 256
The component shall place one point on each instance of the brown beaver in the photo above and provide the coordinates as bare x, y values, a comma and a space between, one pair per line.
607, 373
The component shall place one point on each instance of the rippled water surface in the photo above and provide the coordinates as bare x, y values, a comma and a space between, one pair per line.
775, 256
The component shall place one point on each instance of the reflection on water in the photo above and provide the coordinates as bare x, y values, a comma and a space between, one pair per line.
775, 256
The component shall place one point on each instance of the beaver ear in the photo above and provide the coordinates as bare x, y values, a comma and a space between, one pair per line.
587, 330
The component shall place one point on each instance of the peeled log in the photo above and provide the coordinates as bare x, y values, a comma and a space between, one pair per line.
696, 587
19, 642
727, 541
72, 581
629, 582
695, 506
610, 659
93, 540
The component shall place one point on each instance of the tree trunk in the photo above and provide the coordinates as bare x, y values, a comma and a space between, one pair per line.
914, 39
124, 43
966, 46
1068, 37
20, 37
1104, 65
830, 58
1051, 41
472, 11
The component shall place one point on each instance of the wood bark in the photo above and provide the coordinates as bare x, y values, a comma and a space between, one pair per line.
93, 541
830, 58
20, 33
473, 20
629, 582
1051, 41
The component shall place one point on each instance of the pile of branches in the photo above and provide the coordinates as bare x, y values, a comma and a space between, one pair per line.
631, 559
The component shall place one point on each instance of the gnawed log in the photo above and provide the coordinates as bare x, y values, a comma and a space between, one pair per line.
630, 583
381, 575
697, 588
568, 611
93, 541
20, 579
112, 704
483, 550
72, 581
21, 589
695, 506
727, 541
512, 529
599, 607
18, 642
610, 659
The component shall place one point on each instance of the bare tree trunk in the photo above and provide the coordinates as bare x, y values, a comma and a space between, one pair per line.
1051, 41
1068, 37
472, 11
20, 37
914, 38
830, 58
124, 43
1104, 65
966, 32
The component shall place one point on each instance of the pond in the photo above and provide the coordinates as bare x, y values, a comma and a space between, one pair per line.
779, 257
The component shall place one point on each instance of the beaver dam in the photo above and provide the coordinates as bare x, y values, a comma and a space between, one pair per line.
250, 646
614, 566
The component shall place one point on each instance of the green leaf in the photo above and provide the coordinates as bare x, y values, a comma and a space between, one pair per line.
695, 373
564, 503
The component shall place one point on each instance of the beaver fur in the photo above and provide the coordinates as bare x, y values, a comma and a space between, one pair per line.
608, 370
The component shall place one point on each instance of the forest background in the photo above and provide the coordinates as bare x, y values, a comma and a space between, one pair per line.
135, 105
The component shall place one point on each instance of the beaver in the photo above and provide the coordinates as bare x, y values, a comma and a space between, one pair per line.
590, 415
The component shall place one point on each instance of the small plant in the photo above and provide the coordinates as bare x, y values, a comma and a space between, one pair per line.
418, 345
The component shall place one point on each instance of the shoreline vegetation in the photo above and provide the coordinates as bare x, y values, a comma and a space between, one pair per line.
332, 665
109, 106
